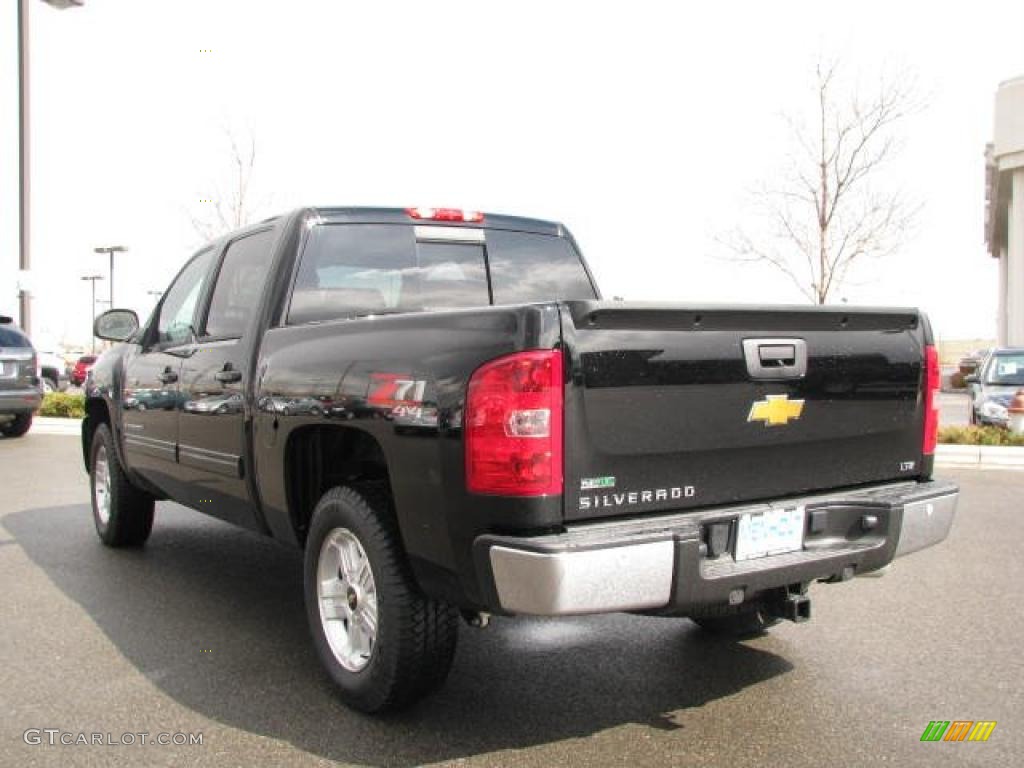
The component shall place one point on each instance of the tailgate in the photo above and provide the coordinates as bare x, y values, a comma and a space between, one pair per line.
675, 407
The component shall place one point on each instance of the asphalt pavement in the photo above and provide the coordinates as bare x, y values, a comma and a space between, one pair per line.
203, 631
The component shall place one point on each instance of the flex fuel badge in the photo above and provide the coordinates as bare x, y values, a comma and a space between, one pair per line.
595, 483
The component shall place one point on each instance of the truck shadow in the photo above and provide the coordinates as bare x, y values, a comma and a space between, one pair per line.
213, 617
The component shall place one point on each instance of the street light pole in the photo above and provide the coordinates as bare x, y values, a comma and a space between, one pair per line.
24, 157
92, 280
24, 252
111, 249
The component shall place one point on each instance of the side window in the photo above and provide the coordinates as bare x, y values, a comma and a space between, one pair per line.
239, 285
179, 305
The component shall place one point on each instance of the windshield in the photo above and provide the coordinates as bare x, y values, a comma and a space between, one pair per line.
1006, 370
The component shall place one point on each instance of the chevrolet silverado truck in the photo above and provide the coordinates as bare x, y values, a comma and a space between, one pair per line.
439, 409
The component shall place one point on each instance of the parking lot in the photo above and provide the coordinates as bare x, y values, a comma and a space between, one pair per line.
203, 632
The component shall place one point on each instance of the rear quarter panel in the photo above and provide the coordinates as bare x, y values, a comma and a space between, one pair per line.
402, 380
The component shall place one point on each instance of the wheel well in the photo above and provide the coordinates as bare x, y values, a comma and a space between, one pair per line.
319, 458
96, 413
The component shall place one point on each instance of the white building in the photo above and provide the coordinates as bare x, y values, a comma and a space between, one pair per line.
1004, 211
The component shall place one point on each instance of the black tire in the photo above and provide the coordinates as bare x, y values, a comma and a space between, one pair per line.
17, 427
129, 518
415, 638
747, 622
50, 385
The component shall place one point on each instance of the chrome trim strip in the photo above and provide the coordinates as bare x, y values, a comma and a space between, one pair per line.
627, 578
207, 453
149, 442
225, 459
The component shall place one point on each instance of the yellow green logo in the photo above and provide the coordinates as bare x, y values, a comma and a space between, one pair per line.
958, 730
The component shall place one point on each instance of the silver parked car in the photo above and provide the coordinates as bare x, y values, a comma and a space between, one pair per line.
992, 388
19, 383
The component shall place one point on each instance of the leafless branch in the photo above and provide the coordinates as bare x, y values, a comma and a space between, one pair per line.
229, 207
826, 213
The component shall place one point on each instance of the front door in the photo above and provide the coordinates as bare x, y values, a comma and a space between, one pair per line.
151, 414
152, 395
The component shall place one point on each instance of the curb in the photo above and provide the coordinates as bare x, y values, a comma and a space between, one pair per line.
48, 425
980, 456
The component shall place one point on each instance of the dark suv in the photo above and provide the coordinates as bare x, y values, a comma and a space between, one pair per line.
19, 384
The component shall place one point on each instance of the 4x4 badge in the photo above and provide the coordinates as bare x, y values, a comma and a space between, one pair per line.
776, 410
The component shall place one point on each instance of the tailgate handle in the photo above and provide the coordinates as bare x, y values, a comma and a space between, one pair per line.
777, 355
775, 358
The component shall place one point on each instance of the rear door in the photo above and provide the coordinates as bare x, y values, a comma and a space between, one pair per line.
211, 429
152, 397
670, 408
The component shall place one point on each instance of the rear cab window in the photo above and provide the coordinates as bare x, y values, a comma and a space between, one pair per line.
349, 270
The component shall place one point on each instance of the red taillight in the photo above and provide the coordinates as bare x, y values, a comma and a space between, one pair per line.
445, 214
932, 382
513, 425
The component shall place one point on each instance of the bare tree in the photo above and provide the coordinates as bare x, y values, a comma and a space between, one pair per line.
229, 206
828, 210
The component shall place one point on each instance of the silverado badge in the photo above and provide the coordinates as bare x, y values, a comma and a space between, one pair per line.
776, 410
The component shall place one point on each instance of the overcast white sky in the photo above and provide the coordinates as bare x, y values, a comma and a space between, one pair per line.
640, 125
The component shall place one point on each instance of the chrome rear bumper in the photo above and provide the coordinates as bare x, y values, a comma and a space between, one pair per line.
926, 522
656, 564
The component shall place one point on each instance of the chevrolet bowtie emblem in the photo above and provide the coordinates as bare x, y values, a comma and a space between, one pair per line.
776, 410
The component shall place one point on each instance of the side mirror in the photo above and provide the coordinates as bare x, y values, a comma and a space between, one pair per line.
116, 325
972, 379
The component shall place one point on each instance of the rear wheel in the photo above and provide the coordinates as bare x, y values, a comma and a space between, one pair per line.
122, 513
383, 643
18, 426
748, 622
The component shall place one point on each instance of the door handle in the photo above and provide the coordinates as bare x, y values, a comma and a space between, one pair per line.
228, 375
168, 376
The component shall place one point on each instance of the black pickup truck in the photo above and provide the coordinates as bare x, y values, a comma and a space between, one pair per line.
440, 409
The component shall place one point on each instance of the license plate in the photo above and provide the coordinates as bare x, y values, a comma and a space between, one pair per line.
770, 533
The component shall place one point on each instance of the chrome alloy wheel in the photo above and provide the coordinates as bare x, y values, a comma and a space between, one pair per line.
347, 597
101, 485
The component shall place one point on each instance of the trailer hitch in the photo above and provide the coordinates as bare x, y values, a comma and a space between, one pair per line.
791, 603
